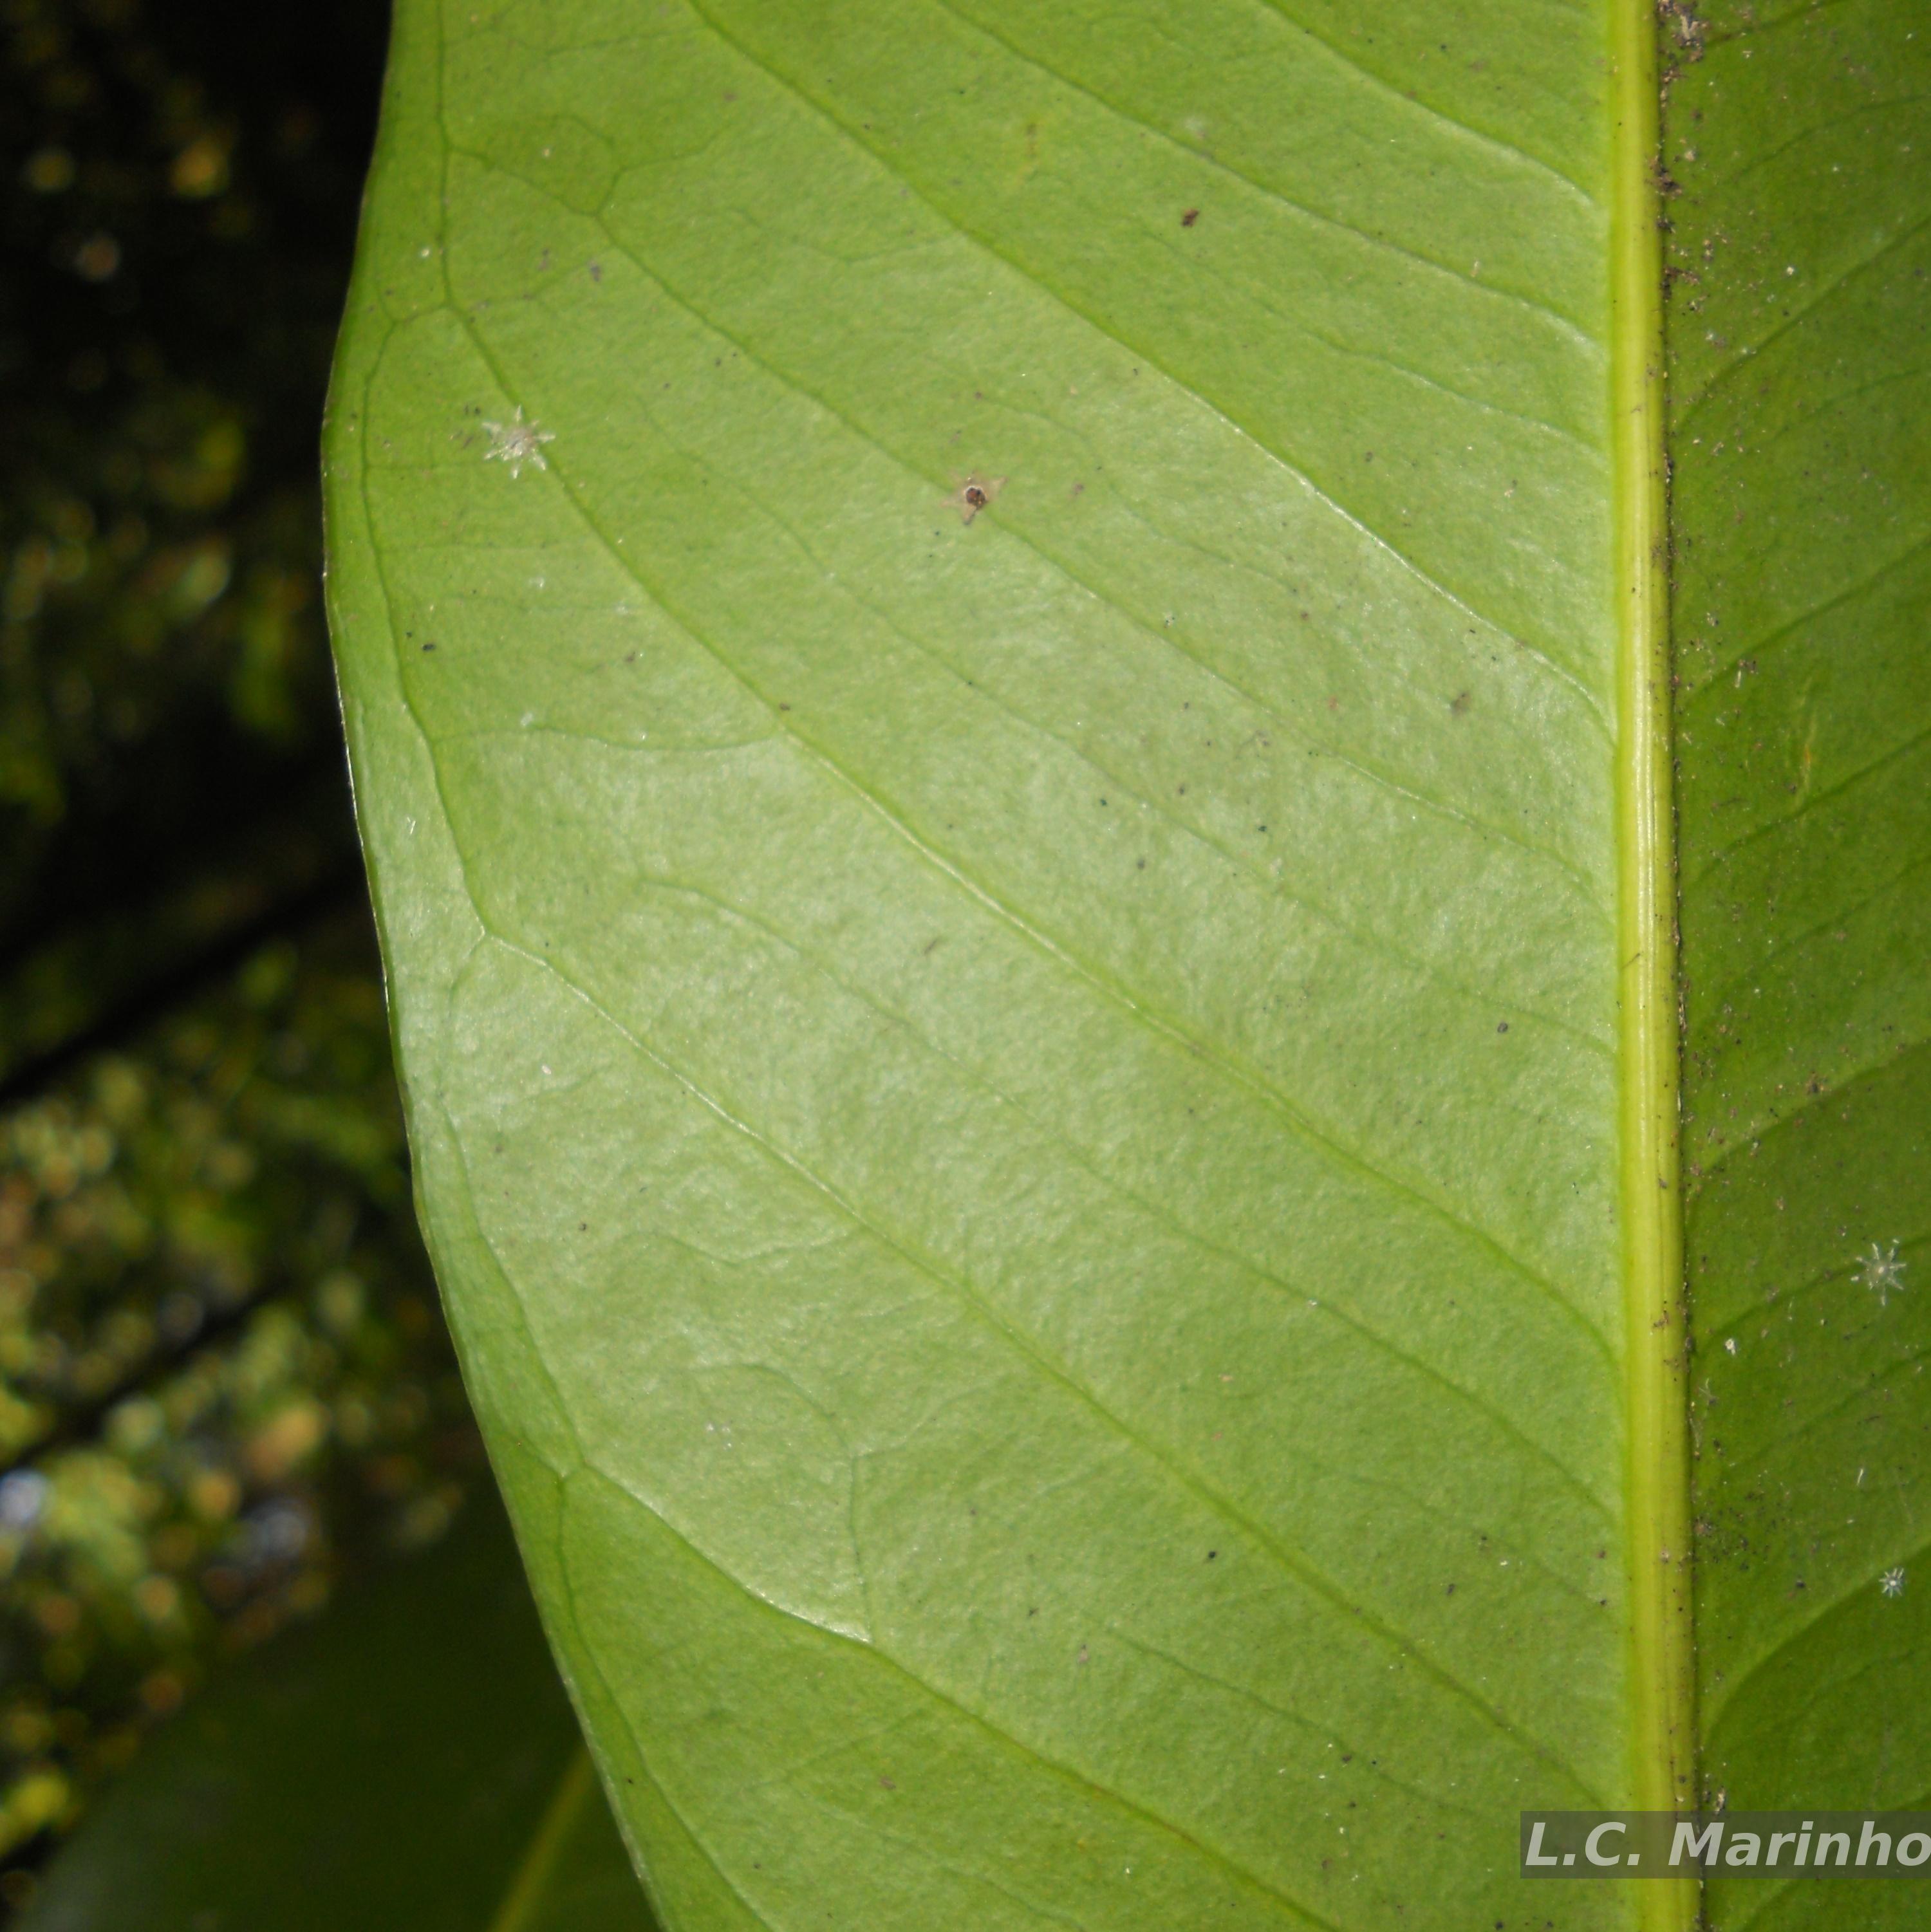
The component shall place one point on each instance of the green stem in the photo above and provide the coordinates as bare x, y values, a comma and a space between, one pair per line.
575, 1789
1662, 1658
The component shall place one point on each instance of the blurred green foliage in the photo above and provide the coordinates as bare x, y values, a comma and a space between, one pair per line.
224, 1380
216, 1322
181, 185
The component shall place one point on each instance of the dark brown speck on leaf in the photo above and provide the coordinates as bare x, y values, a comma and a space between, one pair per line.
974, 493
1188, 220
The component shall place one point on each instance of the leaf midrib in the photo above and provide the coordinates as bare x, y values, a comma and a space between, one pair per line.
1662, 1676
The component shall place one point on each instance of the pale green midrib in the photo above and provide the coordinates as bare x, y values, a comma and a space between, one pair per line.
575, 1789
1662, 1678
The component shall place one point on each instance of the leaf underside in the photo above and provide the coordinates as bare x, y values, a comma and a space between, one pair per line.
1017, 1104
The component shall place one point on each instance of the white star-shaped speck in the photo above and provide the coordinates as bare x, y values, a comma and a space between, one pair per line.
517, 442
1881, 1272
1892, 1582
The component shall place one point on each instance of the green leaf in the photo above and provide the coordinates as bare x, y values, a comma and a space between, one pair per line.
1008, 672
1802, 488
409, 1762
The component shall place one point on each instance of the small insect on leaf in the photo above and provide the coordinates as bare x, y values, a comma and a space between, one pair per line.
974, 493
1882, 1272
516, 442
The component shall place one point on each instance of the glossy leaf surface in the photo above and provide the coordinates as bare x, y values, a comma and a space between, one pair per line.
990, 658
409, 1764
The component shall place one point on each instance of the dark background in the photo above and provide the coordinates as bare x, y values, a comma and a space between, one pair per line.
224, 1384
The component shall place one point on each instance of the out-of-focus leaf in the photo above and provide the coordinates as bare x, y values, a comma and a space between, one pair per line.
409, 1764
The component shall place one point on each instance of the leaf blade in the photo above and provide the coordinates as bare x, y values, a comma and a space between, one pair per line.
1806, 697
864, 797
